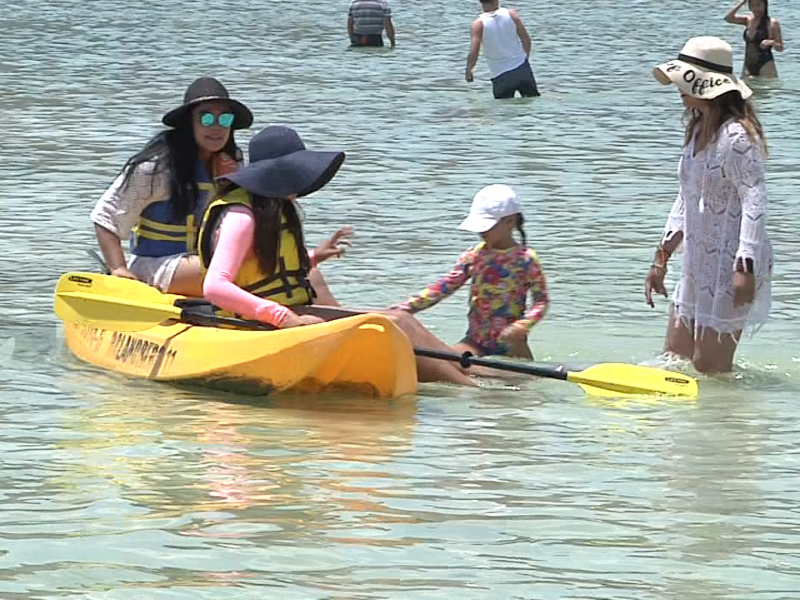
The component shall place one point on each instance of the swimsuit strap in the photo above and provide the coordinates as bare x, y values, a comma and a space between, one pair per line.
761, 32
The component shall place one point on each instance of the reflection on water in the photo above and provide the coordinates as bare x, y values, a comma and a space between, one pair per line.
242, 454
114, 488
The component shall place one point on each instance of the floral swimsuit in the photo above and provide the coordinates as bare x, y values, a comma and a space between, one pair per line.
501, 280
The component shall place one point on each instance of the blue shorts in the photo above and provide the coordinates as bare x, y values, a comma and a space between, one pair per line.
519, 80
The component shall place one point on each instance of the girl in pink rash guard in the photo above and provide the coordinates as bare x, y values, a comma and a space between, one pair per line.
251, 243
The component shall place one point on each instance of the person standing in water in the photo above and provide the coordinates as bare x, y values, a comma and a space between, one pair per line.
366, 21
503, 272
761, 34
719, 215
506, 46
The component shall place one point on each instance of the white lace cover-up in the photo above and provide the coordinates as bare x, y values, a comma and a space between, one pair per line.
721, 209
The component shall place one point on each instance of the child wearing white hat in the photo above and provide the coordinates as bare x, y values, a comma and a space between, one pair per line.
502, 272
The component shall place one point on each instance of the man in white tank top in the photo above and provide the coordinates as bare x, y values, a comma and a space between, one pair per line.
506, 46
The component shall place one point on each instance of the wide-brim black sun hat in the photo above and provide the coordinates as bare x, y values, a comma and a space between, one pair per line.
281, 166
208, 89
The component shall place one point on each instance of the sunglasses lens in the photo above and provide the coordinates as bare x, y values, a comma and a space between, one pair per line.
225, 119
207, 119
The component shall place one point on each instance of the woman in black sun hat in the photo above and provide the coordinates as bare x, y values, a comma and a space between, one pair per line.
162, 191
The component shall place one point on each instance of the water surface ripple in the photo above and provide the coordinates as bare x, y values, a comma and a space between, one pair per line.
120, 489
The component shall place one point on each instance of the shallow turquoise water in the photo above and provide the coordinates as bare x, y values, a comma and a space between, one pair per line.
127, 489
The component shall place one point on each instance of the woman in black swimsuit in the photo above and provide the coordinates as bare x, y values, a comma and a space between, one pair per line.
762, 33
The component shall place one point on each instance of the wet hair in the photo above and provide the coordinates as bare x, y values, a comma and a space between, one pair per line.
175, 151
519, 224
267, 236
720, 109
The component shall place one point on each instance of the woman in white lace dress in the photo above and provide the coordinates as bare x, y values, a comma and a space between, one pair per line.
719, 215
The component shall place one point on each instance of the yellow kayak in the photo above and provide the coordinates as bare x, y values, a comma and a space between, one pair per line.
365, 353
132, 328
125, 326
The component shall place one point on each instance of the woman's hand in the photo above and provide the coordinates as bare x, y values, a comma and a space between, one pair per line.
123, 272
744, 288
295, 320
336, 246
655, 283
514, 334
767, 44
734, 18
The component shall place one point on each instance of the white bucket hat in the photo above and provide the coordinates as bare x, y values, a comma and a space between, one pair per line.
703, 69
490, 205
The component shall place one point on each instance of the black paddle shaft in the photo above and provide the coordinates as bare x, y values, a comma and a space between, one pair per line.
194, 318
468, 359
99, 260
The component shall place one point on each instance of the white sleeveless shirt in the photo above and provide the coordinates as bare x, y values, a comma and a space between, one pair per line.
501, 44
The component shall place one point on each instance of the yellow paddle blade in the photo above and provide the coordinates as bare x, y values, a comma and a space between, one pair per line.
108, 285
100, 300
613, 380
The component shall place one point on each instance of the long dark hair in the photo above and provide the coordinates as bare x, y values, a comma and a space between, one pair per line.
175, 151
720, 109
520, 223
267, 237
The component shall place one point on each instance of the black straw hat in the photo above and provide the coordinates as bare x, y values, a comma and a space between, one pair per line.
207, 89
281, 166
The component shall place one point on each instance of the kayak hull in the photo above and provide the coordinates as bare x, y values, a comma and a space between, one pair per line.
364, 353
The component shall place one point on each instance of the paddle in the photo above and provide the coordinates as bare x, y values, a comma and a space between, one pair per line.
99, 260
611, 380
126, 305
606, 379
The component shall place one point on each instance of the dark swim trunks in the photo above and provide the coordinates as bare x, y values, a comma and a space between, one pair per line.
367, 40
519, 80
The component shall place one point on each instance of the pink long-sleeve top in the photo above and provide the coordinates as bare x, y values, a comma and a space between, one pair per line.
234, 244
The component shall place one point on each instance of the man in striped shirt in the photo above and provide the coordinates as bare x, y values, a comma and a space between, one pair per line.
366, 21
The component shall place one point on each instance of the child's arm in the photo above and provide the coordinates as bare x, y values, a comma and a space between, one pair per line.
538, 295
440, 290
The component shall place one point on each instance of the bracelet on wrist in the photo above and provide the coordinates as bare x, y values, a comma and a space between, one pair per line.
662, 256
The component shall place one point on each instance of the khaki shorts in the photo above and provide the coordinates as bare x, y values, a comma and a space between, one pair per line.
157, 271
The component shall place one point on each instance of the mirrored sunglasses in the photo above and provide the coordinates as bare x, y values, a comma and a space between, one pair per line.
208, 119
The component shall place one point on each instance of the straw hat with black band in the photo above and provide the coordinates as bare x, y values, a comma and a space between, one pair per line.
703, 69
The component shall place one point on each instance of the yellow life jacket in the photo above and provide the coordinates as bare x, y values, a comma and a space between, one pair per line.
288, 285
159, 233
